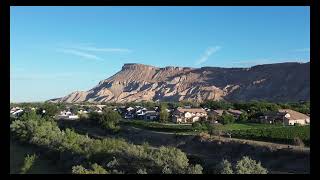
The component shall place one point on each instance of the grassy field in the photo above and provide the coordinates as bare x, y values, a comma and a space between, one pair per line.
156, 126
41, 166
172, 127
253, 131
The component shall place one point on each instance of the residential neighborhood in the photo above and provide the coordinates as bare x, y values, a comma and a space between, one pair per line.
179, 115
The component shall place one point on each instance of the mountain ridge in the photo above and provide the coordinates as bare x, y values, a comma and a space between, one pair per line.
279, 82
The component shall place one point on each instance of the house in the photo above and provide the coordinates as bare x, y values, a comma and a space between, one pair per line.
285, 116
234, 112
67, 115
17, 113
130, 109
188, 115
151, 115
292, 117
217, 112
129, 115
82, 111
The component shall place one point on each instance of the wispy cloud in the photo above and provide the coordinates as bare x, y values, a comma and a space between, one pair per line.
87, 50
95, 49
80, 54
302, 50
207, 54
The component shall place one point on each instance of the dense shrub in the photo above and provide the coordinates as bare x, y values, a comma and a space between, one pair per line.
244, 166
164, 115
226, 118
224, 167
72, 148
249, 166
28, 163
142, 171
243, 117
196, 169
109, 119
51, 109
95, 169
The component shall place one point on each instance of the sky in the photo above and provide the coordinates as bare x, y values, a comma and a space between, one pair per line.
57, 50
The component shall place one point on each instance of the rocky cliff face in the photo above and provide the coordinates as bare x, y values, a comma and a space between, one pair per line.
137, 82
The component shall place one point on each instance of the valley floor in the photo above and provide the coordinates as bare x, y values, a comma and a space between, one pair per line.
278, 158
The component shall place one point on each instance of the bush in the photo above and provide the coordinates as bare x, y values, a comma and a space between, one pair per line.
96, 169
224, 167
51, 109
166, 170
28, 163
249, 166
142, 171
108, 119
172, 158
73, 148
196, 169
164, 115
226, 118
243, 117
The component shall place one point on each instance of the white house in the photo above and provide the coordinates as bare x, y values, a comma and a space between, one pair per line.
183, 115
292, 117
285, 116
67, 115
130, 108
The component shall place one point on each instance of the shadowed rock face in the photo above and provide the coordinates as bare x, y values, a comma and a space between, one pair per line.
280, 82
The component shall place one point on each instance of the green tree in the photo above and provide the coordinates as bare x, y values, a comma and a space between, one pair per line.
51, 109
249, 166
164, 115
110, 120
226, 118
243, 117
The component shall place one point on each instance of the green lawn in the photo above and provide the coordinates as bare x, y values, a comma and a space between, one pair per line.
17, 154
253, 131
157, 126
153, 125
245, 126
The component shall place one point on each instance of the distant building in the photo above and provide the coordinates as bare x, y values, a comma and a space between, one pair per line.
151, 115
285, 116
217, 112
16, 113
67, 115
234, 112
188, 115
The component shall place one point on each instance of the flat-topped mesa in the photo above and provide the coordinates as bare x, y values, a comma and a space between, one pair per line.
279, 82
136, 66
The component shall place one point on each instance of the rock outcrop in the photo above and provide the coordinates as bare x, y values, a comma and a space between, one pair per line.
280, 82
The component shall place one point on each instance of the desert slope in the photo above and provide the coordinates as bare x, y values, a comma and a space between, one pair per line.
280, 82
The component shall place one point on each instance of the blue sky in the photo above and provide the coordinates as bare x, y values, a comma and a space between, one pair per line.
57, 50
